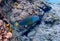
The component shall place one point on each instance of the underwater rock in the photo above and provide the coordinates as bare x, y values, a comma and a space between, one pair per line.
25, 16
45, 7
50, 18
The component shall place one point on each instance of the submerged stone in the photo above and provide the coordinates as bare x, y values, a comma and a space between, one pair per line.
45, 7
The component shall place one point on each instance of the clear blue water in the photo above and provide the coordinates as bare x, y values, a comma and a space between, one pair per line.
53, 1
